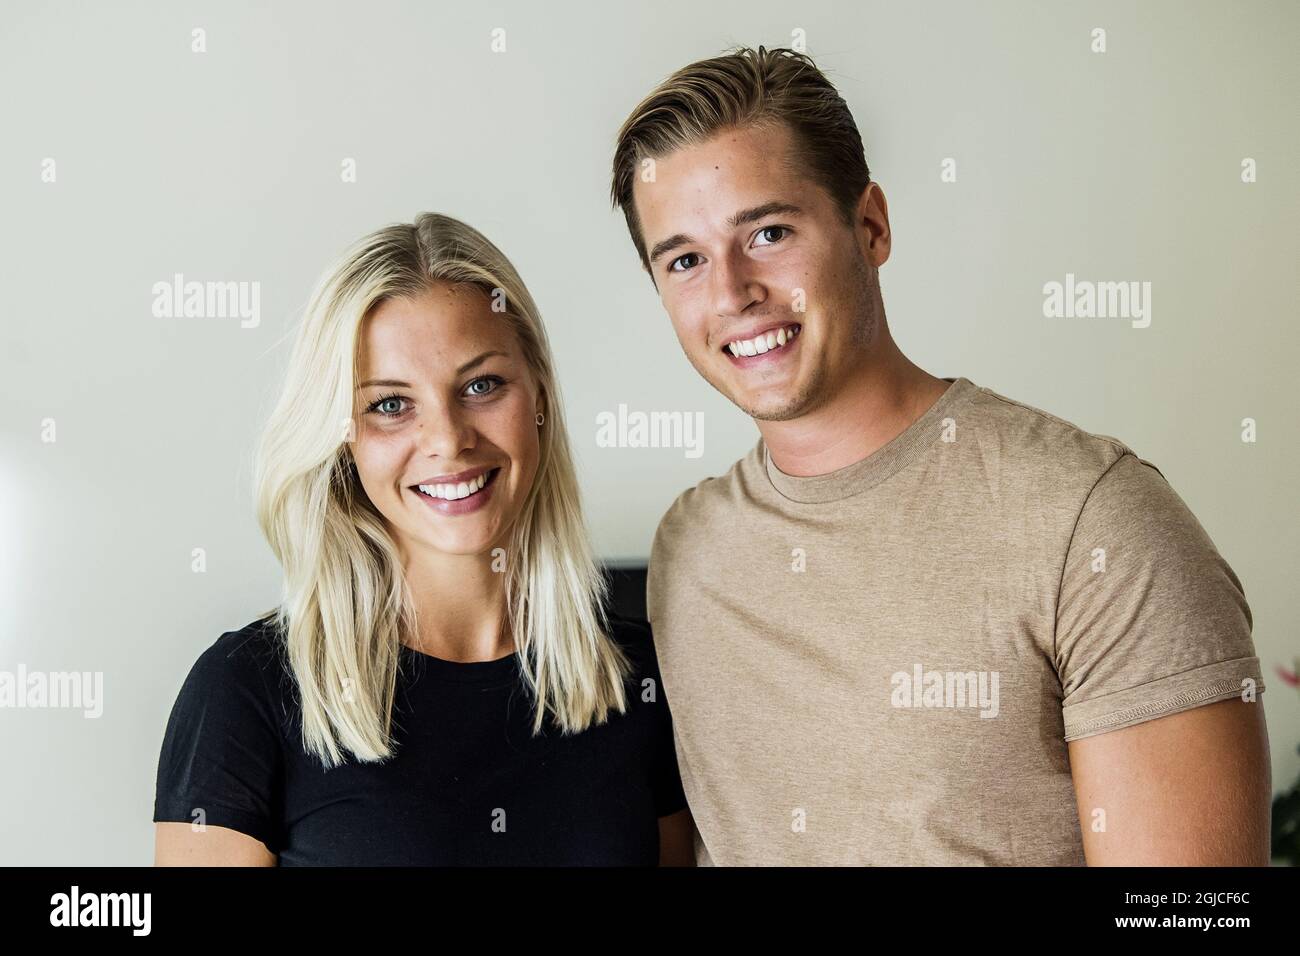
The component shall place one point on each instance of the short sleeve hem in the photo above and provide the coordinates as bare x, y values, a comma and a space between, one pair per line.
1161, 698
222, 752
249, 824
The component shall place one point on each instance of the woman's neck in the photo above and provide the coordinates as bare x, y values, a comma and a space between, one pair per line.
460, 606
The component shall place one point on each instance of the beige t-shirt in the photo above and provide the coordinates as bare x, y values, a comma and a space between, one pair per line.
883, 665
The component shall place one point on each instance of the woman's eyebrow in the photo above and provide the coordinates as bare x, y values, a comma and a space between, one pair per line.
472, 362
388, 382
395, 383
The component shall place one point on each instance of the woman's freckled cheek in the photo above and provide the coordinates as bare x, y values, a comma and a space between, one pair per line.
380, 450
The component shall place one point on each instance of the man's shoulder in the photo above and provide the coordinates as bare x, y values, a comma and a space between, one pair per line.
1018, 447
711, 500
1037, 444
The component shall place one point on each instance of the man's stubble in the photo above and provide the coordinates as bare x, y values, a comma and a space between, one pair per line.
864, 310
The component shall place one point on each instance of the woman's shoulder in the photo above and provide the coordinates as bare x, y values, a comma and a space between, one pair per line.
254, 647
247, 664
224, 747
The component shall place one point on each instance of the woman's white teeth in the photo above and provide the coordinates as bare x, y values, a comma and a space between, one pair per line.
763, 343
454, 492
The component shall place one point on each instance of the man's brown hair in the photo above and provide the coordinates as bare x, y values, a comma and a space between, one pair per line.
745, 87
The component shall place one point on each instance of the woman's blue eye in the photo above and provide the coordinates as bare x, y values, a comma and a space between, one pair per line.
378, 406
390, 406
494, 380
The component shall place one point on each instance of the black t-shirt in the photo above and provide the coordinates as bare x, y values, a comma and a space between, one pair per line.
468, 782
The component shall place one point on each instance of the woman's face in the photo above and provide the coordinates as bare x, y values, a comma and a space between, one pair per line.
445, 402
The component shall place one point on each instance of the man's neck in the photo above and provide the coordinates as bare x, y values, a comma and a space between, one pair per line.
876, 406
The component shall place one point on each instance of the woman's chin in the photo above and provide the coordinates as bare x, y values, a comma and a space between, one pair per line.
464, 544
471, 536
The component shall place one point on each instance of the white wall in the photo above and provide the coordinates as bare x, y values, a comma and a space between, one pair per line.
1123, 165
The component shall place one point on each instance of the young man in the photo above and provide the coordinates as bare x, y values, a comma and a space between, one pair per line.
919, 623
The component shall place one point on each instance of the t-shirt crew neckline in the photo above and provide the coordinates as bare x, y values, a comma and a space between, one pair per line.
503, 669
895, 454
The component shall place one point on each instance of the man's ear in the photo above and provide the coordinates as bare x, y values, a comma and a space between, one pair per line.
871, 224
863, 205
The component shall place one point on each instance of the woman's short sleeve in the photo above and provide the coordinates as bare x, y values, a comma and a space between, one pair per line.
669, 796
665, 782
222, 754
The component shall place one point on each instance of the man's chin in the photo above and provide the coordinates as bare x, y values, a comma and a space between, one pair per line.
781, 414
775, 408
773, 404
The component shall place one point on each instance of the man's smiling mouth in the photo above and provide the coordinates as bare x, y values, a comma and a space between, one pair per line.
768, 340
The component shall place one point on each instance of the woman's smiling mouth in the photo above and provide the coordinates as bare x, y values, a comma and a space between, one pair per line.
458, 494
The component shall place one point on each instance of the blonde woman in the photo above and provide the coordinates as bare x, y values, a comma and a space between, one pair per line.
440, 683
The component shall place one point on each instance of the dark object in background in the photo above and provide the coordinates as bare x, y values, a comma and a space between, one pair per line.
1286, 805
626, 590
1286, 825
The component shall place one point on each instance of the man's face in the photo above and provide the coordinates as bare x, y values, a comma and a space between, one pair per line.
746, 249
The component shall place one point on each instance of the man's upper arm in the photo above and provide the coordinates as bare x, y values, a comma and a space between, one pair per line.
1160, 683
658, 567
1190, 789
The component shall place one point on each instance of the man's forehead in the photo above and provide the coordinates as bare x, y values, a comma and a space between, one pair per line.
714, 180
726, 160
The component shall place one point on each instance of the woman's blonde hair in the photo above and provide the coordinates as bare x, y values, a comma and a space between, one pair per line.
345, 605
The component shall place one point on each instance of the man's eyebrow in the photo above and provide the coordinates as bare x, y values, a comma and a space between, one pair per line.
668, 245
760, 212
752, 214
395, 383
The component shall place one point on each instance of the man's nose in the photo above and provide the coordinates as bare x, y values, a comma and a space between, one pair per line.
734, 287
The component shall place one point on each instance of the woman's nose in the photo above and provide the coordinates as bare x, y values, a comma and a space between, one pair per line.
444, 434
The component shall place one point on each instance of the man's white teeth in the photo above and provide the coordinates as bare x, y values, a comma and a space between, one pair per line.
763, 343
454, 492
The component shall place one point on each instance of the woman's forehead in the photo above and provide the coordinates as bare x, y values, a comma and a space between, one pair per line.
434, 331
